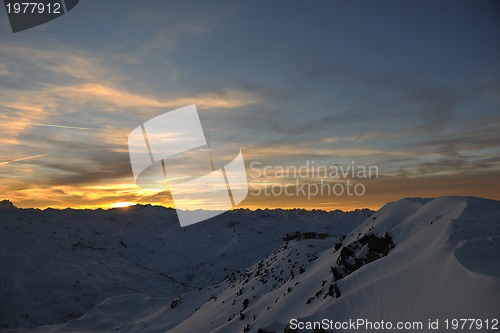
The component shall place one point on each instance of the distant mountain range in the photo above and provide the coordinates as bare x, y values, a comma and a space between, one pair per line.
136, 270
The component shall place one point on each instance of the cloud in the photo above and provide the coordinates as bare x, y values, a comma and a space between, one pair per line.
50, 116
104, 94
308, 150
330, 140
80, 90
350, 102
61, 63
482, 135
291, 106
6, 71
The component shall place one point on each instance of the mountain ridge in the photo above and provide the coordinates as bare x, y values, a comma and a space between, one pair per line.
442, 264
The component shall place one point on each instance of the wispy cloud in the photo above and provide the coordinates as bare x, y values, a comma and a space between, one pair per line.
50, 125
120, 98
5, 70
309, 149
61, 63
23, 159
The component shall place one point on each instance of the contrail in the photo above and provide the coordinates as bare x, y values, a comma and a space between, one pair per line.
51, 125
23, 159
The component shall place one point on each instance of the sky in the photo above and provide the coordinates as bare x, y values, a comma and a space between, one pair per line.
411, 89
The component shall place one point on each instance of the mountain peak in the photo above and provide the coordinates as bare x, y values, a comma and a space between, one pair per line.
6, 204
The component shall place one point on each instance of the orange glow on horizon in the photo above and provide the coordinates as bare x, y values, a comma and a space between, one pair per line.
125, 192
123, 204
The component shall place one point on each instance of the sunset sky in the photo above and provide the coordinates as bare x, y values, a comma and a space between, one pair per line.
411, 87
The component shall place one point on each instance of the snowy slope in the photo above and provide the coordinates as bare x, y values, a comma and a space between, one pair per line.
56, 265
444, 265
413, 260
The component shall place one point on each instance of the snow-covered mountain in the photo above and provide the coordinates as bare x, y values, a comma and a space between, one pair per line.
412, 261
58, 264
